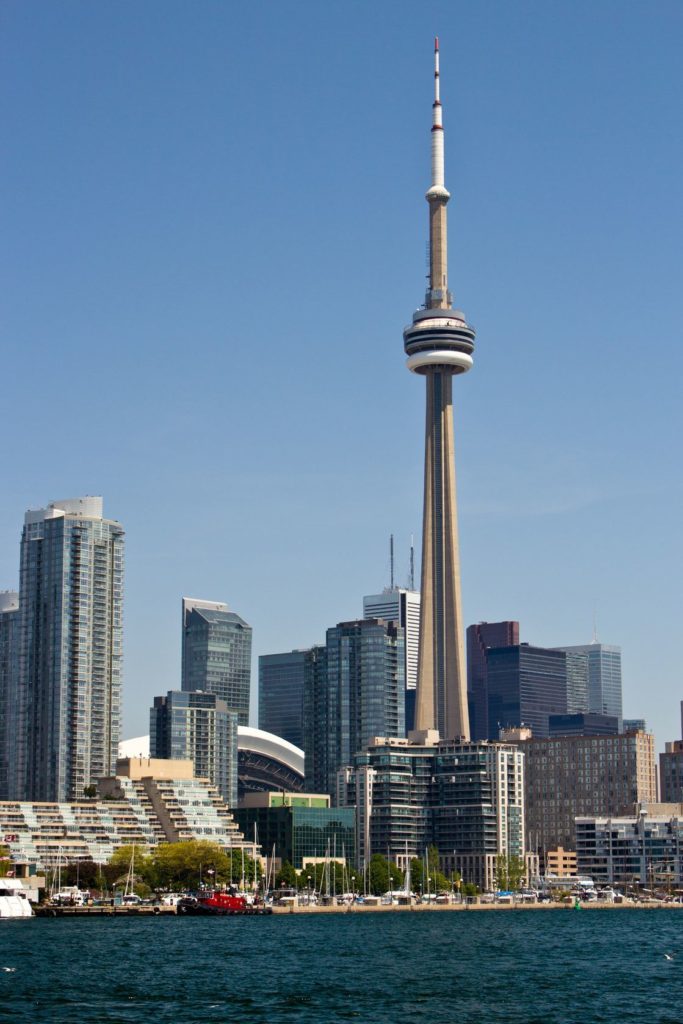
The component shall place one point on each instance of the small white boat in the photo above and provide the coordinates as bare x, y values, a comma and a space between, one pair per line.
14, 901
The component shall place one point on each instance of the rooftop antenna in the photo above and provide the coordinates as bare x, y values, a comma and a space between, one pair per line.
391, 558
595, 627
412, 562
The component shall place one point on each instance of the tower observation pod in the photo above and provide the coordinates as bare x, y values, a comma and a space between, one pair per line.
439, 344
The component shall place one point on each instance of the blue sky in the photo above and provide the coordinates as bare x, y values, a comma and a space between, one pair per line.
214, 233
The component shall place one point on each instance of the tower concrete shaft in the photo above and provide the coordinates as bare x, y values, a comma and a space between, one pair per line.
439, 344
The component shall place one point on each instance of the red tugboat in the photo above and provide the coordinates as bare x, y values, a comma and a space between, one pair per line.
219, 902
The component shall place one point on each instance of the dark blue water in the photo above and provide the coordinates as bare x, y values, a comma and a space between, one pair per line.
537, 967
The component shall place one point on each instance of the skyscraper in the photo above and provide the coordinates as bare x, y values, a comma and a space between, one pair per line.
354, 691
281, 695
395, 604
479, 638
216, 654
604, 678
9, 665
525, 686
402, 606
439, 344
197, 727
66, 718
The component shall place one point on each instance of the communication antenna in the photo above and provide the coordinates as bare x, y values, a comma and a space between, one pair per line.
391, 559
412, 562
595, 627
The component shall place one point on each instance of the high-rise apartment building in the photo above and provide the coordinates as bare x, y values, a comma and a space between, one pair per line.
281, 695
604, 678
467, 799
216, 656
573, 776
439, 344
353, 692
479, 638
525, 686
198, 727
9, 672
65, 722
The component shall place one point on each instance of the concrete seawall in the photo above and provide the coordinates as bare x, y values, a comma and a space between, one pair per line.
361, 908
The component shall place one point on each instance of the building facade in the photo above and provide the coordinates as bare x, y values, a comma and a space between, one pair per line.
216, 654
604, 678
525, 686
644, 848
583, 724
354, 691
281, 695
480, 637
65, 721
199, 727
403, 607
300, 828
148, 803
568, 777
671, 772
467, 799
9, 681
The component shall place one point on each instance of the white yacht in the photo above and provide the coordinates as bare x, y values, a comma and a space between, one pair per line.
14, 901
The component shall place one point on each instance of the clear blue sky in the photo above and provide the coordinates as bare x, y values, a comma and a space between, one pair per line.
214, 233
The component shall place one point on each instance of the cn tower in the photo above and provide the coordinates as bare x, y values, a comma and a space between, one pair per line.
439, 344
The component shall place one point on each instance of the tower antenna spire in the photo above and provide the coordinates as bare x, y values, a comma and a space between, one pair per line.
412, 562
391, 559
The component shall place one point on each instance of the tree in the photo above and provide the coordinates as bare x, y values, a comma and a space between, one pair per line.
5, 861
434, 880
90, 792
469, 889
509, 872
286, 878
383, 875
117, 870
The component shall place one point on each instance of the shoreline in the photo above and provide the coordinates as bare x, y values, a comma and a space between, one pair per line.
468, 907
358, 908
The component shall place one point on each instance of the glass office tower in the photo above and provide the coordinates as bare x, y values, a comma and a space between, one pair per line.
604, 678
281, 695
217, 654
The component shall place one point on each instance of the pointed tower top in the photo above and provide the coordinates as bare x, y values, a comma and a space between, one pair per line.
437, 189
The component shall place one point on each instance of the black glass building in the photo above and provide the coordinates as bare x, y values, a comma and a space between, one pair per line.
525, 686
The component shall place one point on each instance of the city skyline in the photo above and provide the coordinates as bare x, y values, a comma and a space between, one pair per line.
130, 312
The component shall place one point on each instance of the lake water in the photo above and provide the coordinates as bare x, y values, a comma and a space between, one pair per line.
516, 967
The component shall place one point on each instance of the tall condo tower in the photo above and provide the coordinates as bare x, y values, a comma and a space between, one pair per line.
64, 724
439, 344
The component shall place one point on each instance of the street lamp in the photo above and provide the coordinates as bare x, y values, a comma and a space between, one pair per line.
353, 888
